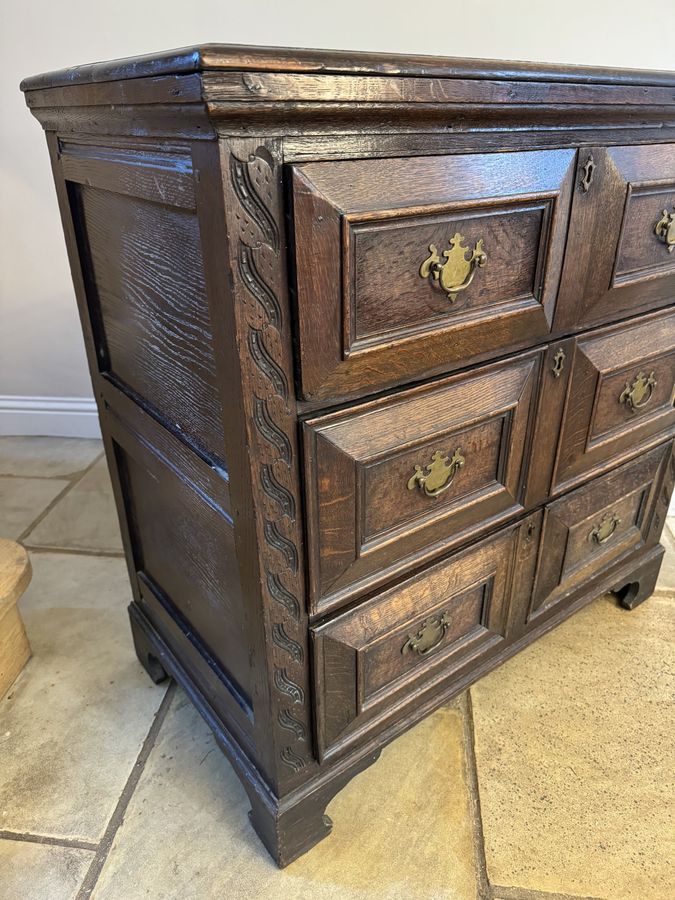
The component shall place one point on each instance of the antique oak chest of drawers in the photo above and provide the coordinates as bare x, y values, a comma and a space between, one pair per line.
383, 349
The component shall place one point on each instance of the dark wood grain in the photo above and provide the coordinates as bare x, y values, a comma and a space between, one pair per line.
274, 553
640, 254
365, 524
206, 57
362, 674
153, 89
570, 554
614, 264
198, 579
245, 228
303, 147
385, 296
147, 295
367, 318
550, 404
597, 426
301, 87
163, 176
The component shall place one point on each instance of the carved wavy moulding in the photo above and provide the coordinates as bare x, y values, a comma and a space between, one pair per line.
257, 258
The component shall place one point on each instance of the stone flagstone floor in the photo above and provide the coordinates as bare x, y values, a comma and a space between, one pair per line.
551, 778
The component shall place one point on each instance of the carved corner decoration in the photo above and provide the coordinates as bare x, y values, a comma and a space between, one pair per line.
281, 639
244, 182
259, 261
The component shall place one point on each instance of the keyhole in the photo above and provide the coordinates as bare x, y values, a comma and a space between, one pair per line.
587, 178
558, 363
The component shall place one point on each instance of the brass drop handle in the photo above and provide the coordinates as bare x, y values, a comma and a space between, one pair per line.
458, 270
436, 477
604, 531
637, 394
665, 229
429, 637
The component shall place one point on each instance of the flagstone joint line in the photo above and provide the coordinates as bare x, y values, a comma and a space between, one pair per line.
96, 866
28, 837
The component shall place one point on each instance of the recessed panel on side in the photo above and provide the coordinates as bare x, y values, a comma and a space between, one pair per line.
184, 553
147, 302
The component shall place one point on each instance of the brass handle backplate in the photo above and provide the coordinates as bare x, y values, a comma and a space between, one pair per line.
604, 531
665, 229
438, 475
636, 395
429, 637
458, 270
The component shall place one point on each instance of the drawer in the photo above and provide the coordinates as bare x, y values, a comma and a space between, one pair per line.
594, 526
375, 309
619, 396
393, 482
372, 663
619, 257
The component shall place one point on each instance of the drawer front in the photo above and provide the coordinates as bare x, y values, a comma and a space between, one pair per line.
408, 267
619, 396
394, 482
371, 663
620, 257
594, 526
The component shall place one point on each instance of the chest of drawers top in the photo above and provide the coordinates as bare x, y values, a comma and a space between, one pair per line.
199, 92
383, 349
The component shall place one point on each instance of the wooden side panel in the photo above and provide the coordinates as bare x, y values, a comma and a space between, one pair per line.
214, 213
184, 551
140, 219
146, 294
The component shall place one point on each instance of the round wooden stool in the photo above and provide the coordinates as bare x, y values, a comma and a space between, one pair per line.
15, 575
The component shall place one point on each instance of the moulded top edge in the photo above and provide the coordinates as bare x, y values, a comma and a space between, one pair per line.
234, 57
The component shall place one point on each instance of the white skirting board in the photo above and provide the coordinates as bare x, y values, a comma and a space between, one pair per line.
50, 416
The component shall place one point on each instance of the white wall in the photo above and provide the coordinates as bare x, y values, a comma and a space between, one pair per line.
41, 352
